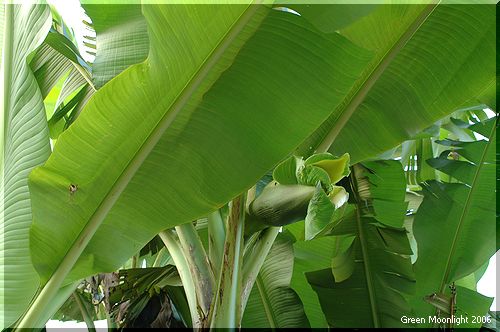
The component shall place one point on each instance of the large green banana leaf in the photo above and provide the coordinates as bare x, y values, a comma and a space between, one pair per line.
371, 272
25, 144
455, 224
272, 303
216, 104
429, 61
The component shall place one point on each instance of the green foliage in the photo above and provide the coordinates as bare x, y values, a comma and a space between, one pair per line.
53, 59
25, 145
287, 199
121, 39
74, 307
386, 192
136, 145
325, 211
195, 104
286, 171
279, 204
272, 302
336, 169
310, 255
58, 58
141, 298
455, 222
471, 304
419, 73
370, 273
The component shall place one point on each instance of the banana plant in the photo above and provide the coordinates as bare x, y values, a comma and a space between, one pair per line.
202, 274
438, 164
454, 223
168, 140
369, 273
224, 57
64, 81
218, 287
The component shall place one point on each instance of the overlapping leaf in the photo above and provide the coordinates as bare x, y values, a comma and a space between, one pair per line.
310, 256
292, 195
55, 58
76, 307
472, 304
370, 272
25, 146
324, 211
173, 133
429, 61
387, 192
59, 59
272, 302
121, 39
455, 222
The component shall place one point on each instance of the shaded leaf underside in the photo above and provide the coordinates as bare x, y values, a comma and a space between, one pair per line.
448, 62
177, 138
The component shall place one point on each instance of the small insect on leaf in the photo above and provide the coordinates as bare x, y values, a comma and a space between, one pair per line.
73, 188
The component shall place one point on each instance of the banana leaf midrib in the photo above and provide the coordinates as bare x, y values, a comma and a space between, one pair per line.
465, 210
356, 98
266, 302
160, 128
366, 260
94, 222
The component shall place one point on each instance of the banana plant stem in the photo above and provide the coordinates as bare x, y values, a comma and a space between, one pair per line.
174, 248
226, 311
216, 235
159, 257
198, 264
84, 310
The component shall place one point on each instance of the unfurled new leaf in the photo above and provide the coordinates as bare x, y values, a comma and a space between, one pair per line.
325, 211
